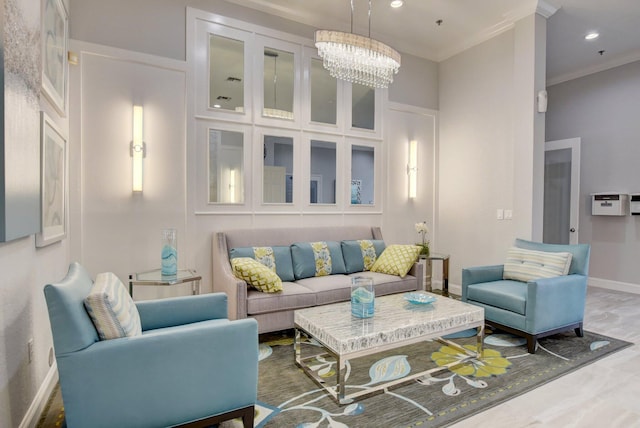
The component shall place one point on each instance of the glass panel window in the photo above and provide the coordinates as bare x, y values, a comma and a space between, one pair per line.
226, 171
362, 175
324, 90
277, 170
322, 184
226, 73
363, 107
278, 83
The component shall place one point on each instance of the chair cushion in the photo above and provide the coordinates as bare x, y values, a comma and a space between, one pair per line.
525, 265
505, 294
360, 255
278, 256
256, 274
396, 260
317, 259
111, 308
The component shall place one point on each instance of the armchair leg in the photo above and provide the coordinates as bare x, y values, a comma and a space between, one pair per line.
246, 413
531, 344
579, 331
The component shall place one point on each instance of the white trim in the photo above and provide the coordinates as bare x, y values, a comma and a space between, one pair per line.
32, 416
608, 284
612, 63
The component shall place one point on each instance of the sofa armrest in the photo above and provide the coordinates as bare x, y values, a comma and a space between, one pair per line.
181, 310
417, 270
163, 378
225, 281
555, 302
479, 274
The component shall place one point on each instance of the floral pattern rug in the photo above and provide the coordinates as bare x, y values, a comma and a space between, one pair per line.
289, 398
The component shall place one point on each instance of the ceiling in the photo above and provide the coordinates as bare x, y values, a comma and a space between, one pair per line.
413, 29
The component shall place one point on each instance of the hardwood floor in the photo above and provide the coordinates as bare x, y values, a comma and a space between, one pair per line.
603, 394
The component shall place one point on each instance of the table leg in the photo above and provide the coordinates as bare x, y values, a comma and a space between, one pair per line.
445, 277
480, 340
340, 381
195, 287
131, 286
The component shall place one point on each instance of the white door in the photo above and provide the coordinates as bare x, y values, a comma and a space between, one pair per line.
561, 191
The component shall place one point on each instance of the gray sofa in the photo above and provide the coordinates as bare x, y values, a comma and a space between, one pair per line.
274, 311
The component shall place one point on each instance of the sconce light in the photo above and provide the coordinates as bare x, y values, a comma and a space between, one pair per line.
138, 149
412, 168
232, 186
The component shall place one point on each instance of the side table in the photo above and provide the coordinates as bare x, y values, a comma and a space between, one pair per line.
444, 258
155, 277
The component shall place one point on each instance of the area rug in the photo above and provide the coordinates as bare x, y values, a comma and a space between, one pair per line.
288, 398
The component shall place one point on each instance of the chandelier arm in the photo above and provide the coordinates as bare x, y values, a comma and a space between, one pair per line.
352, 16
369, 19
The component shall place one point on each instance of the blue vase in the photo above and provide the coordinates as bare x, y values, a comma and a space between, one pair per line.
169, 264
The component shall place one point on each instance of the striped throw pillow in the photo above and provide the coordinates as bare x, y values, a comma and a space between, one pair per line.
526, 265
112, 309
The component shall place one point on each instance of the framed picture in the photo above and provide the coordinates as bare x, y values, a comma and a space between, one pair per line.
54, 183
54, 53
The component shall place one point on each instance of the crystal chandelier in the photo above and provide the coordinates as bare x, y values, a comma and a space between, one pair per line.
357, 59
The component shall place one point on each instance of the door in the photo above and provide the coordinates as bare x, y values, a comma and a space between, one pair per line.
561, 191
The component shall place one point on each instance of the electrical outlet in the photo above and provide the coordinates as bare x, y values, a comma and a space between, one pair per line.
508, 214
500, 214
30, 350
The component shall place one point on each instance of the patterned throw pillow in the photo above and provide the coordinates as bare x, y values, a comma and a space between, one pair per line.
265, 256
396, 260
278, 257
111, 308
322, 257
256, 274
526, 265
368, 253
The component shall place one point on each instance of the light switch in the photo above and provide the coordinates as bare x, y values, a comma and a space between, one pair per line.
508, 214
500, 214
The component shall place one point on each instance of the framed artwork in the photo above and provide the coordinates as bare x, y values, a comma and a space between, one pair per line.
54, 53
356, 192
54, 183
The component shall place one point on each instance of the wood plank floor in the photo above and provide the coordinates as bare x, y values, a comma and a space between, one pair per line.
603, 394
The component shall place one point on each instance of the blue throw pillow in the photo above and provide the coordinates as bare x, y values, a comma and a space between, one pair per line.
354, 253
282, 255
317, 259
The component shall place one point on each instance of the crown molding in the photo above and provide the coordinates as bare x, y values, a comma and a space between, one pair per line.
546, 9
612, 63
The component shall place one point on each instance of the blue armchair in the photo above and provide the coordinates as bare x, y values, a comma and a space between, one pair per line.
190, 367
536, 308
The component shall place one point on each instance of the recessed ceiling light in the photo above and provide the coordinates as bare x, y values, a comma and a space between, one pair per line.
591, 36
396, 3
216, 106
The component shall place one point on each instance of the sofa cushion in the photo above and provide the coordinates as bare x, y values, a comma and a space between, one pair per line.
292, 296
111, 308
328, 289
506, 294
397, 260
390, 284
317, 259
526, 265
281, 257
360, 255
256, 274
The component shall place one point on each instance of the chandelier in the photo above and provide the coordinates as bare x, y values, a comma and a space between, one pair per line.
357, 59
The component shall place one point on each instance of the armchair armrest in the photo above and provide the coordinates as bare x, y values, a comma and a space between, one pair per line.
181, 310
479, 274
555, 302
165, 377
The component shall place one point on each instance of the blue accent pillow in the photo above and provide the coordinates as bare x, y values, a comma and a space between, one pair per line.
305, 264
353, 257
284, 265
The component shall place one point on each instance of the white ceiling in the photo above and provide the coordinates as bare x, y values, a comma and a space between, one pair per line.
412, 28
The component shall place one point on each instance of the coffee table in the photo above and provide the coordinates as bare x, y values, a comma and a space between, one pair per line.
396, 323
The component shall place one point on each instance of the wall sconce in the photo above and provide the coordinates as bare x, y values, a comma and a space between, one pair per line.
232, 186
138, 149
412, 168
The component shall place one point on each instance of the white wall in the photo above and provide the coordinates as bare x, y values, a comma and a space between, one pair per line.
602, 109
487, 147
23, 314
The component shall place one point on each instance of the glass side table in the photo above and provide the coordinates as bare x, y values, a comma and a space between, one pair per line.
445, 271
155, 277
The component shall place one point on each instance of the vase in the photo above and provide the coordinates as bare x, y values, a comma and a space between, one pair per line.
169, 264
362, 297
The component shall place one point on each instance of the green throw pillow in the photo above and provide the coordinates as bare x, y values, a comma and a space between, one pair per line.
256, 274
396, 260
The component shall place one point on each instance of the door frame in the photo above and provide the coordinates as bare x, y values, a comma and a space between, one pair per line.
574, 216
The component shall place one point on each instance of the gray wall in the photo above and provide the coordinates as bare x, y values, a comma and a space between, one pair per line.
603, 109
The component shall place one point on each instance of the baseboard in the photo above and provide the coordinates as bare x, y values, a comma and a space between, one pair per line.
32, 417
614, 285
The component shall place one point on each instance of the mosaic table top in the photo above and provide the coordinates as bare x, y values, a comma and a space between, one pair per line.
395, 320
